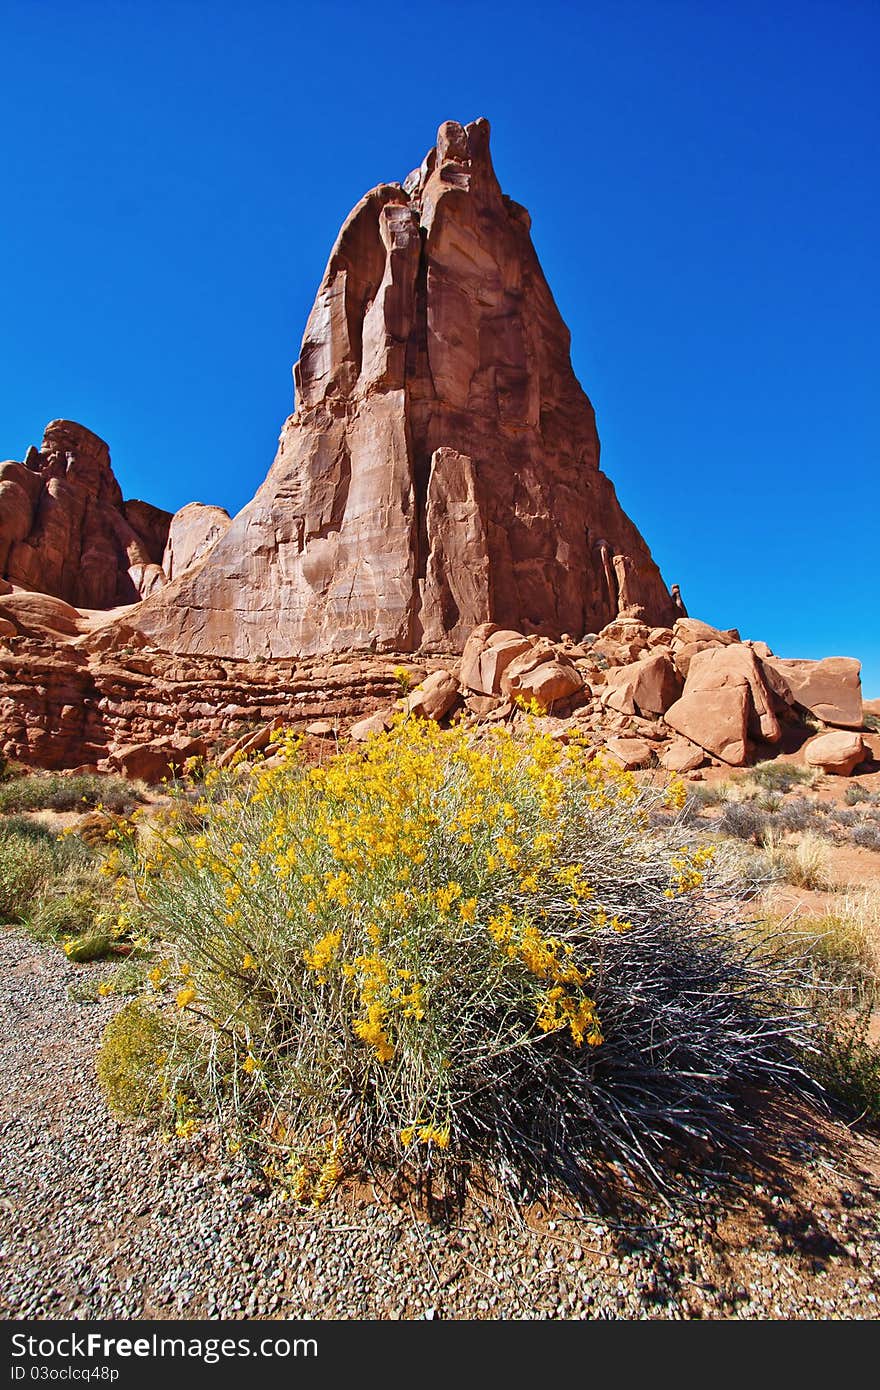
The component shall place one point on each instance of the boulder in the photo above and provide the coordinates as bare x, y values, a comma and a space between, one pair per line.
682, 756
644, 687
724, 695
688, 630
488, 653
830, 689
373, 724
838, 752
435, 697
547, 683
630, 753
152, 762
541, 673
622, 641
690, 636
481, 705
253, 741
41, 615
320, 728
469, 667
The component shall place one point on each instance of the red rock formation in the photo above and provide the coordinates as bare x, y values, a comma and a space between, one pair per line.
192, 533
442, 466
65, 530
71, 693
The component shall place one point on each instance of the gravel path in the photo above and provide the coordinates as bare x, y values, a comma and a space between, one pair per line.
99, 1220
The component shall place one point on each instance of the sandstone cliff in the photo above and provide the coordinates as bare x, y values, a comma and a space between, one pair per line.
442, 466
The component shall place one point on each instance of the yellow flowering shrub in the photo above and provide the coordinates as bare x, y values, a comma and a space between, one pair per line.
434, 948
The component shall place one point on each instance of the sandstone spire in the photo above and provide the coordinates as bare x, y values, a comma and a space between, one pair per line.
65, 530
442, 466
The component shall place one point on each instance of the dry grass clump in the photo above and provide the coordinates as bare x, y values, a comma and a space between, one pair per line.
842, 945
804, 863
841, 948
448, 948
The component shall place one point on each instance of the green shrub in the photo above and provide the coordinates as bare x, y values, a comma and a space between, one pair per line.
779, 776
447, 948
710, 793
27, 864
91, 945
129, 977
129, 1059
67, 907
43, 791
855, 793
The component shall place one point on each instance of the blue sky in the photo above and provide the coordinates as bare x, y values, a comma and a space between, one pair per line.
703, 188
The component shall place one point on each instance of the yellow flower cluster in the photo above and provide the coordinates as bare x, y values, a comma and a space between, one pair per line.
560, 1010
688, 869
312, 1178
426, 1134
323, 952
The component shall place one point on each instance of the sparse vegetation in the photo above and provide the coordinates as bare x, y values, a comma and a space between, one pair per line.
744, 821
848, 1065
778, 776
854, 794
31, 859
799, 813
866, 835
43, 791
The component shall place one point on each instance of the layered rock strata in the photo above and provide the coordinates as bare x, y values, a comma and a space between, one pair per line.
68, 699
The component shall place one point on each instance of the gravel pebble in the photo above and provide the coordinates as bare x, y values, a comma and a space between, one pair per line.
102, 1220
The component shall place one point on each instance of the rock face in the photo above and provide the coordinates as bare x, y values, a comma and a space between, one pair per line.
65, 530
73, 693
442, 467
192, 533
